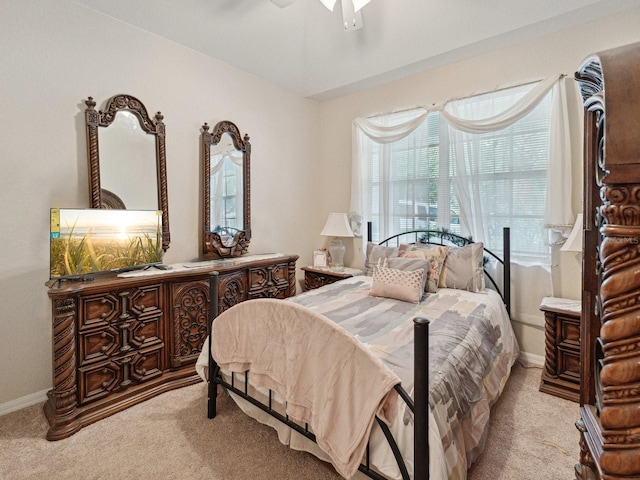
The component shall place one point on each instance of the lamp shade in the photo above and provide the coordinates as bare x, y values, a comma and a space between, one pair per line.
337, 226
574, 242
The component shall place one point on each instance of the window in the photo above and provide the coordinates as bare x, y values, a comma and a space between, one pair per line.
471, 184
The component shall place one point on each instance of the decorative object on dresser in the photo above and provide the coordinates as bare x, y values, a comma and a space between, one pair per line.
315, 277
127, 168
337, 226
119, 340
226, 188
609, 421
561, 373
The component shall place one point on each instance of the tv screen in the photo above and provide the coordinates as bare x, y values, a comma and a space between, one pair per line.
87, 241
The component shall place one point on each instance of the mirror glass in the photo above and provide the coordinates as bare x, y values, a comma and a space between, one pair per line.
127, 159
226, 185
226, 226
127, 155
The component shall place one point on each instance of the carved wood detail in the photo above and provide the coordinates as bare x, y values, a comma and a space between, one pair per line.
232, 290
190, 313
610, 394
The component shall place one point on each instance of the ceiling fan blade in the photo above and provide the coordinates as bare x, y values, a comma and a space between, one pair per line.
329, 4
282, 3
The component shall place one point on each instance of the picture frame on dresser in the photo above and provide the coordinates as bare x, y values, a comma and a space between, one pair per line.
320, 258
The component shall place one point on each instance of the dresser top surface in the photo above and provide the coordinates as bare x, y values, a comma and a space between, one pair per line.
175, 271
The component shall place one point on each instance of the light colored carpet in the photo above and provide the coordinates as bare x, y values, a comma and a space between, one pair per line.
531, 436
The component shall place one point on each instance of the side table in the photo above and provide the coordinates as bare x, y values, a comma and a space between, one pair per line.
561, 374
315, 277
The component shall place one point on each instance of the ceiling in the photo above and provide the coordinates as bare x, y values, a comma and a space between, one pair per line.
304, 49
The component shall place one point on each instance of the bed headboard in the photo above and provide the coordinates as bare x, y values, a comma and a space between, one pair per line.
435, 237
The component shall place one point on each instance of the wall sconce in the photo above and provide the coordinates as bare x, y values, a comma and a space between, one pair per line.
337, 226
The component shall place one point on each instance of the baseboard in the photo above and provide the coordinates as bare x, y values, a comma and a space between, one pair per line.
531, 360
23, 402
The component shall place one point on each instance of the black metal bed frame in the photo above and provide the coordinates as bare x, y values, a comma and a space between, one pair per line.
421, 368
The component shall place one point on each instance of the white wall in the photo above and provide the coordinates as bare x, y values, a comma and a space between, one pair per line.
54, 54
533, 60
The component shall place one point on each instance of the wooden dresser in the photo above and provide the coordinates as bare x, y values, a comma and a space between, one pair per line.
120, 340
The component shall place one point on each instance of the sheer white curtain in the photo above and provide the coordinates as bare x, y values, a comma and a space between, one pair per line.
463, 122
368, 135
471, 122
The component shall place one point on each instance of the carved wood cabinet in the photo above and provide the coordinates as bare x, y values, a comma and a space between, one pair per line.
610, 358
118, 341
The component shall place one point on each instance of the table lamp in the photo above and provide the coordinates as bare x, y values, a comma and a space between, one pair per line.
337, 226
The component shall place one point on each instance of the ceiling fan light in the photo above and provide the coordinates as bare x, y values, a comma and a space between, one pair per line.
358, 4
329, 4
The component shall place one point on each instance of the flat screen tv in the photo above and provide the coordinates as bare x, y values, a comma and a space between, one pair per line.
89, 241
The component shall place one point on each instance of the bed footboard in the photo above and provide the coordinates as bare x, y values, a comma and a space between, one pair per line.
421, 463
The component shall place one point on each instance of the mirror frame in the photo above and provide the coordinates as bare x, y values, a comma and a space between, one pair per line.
212, 242
102, 198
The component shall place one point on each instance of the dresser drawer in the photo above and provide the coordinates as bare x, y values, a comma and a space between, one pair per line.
118, 373
271, 281
116, 339
102, 309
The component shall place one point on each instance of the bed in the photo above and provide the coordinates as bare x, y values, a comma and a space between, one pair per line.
416, 351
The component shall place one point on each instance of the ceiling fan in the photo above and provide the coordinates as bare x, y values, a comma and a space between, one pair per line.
351, 16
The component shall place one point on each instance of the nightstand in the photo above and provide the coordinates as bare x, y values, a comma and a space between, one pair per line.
315, 277
561, 374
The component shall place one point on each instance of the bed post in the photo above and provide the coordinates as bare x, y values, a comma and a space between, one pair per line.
212, 391
421, 399
506, 283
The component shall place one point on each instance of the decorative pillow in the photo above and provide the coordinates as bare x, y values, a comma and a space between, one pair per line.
405, 285
409, 265
376, 253
463, 268
434, 254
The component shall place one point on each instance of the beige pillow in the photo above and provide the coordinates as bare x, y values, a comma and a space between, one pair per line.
375, 253
434, 254
405, 285
463, 268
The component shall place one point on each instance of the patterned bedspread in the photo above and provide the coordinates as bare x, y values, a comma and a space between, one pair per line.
471, 350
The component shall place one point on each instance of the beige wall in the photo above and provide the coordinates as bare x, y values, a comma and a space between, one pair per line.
534, 60
54, 53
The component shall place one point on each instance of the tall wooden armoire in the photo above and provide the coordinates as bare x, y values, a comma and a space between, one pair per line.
609, 421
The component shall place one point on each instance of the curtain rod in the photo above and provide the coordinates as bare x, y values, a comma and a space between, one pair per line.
497, 89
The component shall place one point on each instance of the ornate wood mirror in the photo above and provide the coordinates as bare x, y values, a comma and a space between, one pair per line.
127, 167
226, 190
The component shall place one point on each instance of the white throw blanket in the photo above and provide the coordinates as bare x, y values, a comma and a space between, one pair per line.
327, 377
